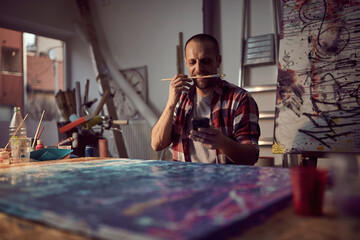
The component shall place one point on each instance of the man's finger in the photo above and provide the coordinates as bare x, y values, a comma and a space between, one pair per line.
210, 131
180, 76
198, 134
206, 142
210, 146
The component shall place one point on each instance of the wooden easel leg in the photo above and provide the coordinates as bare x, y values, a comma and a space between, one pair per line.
102, 68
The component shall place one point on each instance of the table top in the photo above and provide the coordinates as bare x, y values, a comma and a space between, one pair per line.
137, 199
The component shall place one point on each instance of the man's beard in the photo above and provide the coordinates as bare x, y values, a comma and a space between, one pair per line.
205, 83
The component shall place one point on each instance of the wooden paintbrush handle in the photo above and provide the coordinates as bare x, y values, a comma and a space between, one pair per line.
207, 76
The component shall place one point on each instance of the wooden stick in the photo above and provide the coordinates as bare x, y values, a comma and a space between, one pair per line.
37, 130
101, 103
178, 67
16, 130
64, 141
181, 53
86, 91
120, 122
206, 76
78, 99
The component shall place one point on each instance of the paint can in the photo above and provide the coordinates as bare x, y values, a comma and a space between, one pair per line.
103, 147
265, 162
89, 151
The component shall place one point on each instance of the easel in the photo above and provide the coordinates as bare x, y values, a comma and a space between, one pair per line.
102, 68
311, 158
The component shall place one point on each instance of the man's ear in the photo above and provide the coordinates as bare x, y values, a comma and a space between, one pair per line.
218, 60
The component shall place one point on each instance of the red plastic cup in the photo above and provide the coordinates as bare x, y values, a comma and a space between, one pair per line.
308, 190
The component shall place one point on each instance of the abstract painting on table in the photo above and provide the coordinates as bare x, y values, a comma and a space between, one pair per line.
318, 100
131, 199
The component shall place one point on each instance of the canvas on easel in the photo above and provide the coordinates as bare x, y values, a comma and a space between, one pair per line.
318, 89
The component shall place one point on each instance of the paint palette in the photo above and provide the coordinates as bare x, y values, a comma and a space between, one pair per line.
46, 154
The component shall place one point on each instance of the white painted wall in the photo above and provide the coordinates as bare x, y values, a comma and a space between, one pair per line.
231, 27
142, 32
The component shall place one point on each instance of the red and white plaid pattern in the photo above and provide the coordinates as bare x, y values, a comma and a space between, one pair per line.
233, 110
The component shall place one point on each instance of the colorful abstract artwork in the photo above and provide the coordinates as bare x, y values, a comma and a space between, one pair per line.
318, 89
138, 199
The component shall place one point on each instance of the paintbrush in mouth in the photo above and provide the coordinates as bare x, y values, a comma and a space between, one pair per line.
206, 76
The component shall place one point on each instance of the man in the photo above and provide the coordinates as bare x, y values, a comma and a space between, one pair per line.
234, 131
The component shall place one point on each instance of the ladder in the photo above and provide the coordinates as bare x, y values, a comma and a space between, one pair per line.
258, 51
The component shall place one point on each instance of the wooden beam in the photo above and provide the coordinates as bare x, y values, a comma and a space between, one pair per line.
104, 76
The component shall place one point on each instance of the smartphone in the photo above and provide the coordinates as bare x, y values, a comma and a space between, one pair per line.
200, 123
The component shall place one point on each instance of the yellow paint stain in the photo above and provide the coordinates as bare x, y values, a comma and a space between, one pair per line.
278, 148
349, 141
336, 120
320, 148
137, 208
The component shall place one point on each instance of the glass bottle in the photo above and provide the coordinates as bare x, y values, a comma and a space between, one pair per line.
15, 122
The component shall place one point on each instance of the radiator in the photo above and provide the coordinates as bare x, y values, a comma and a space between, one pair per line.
137, 137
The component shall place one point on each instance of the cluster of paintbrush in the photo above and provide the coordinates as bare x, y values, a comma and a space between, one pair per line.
66, 103
80, 115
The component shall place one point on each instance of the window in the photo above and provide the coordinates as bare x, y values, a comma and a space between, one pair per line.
32, 71
45, 74
10, 60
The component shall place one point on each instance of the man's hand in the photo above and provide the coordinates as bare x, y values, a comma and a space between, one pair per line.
211, 138
179, 83
161, 131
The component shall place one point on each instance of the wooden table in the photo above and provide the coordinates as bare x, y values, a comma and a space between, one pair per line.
283, 224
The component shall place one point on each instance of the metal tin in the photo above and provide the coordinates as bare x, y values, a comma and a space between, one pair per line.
89, 151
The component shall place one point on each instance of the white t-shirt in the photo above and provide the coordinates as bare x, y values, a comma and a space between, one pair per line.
199, 153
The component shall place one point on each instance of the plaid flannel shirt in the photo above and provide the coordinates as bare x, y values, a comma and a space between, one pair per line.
233, 111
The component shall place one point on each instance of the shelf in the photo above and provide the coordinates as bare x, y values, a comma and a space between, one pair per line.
261, 88
266, 115
265, 142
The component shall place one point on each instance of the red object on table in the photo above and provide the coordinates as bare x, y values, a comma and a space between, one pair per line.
75, 123
39, 144
308, 190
